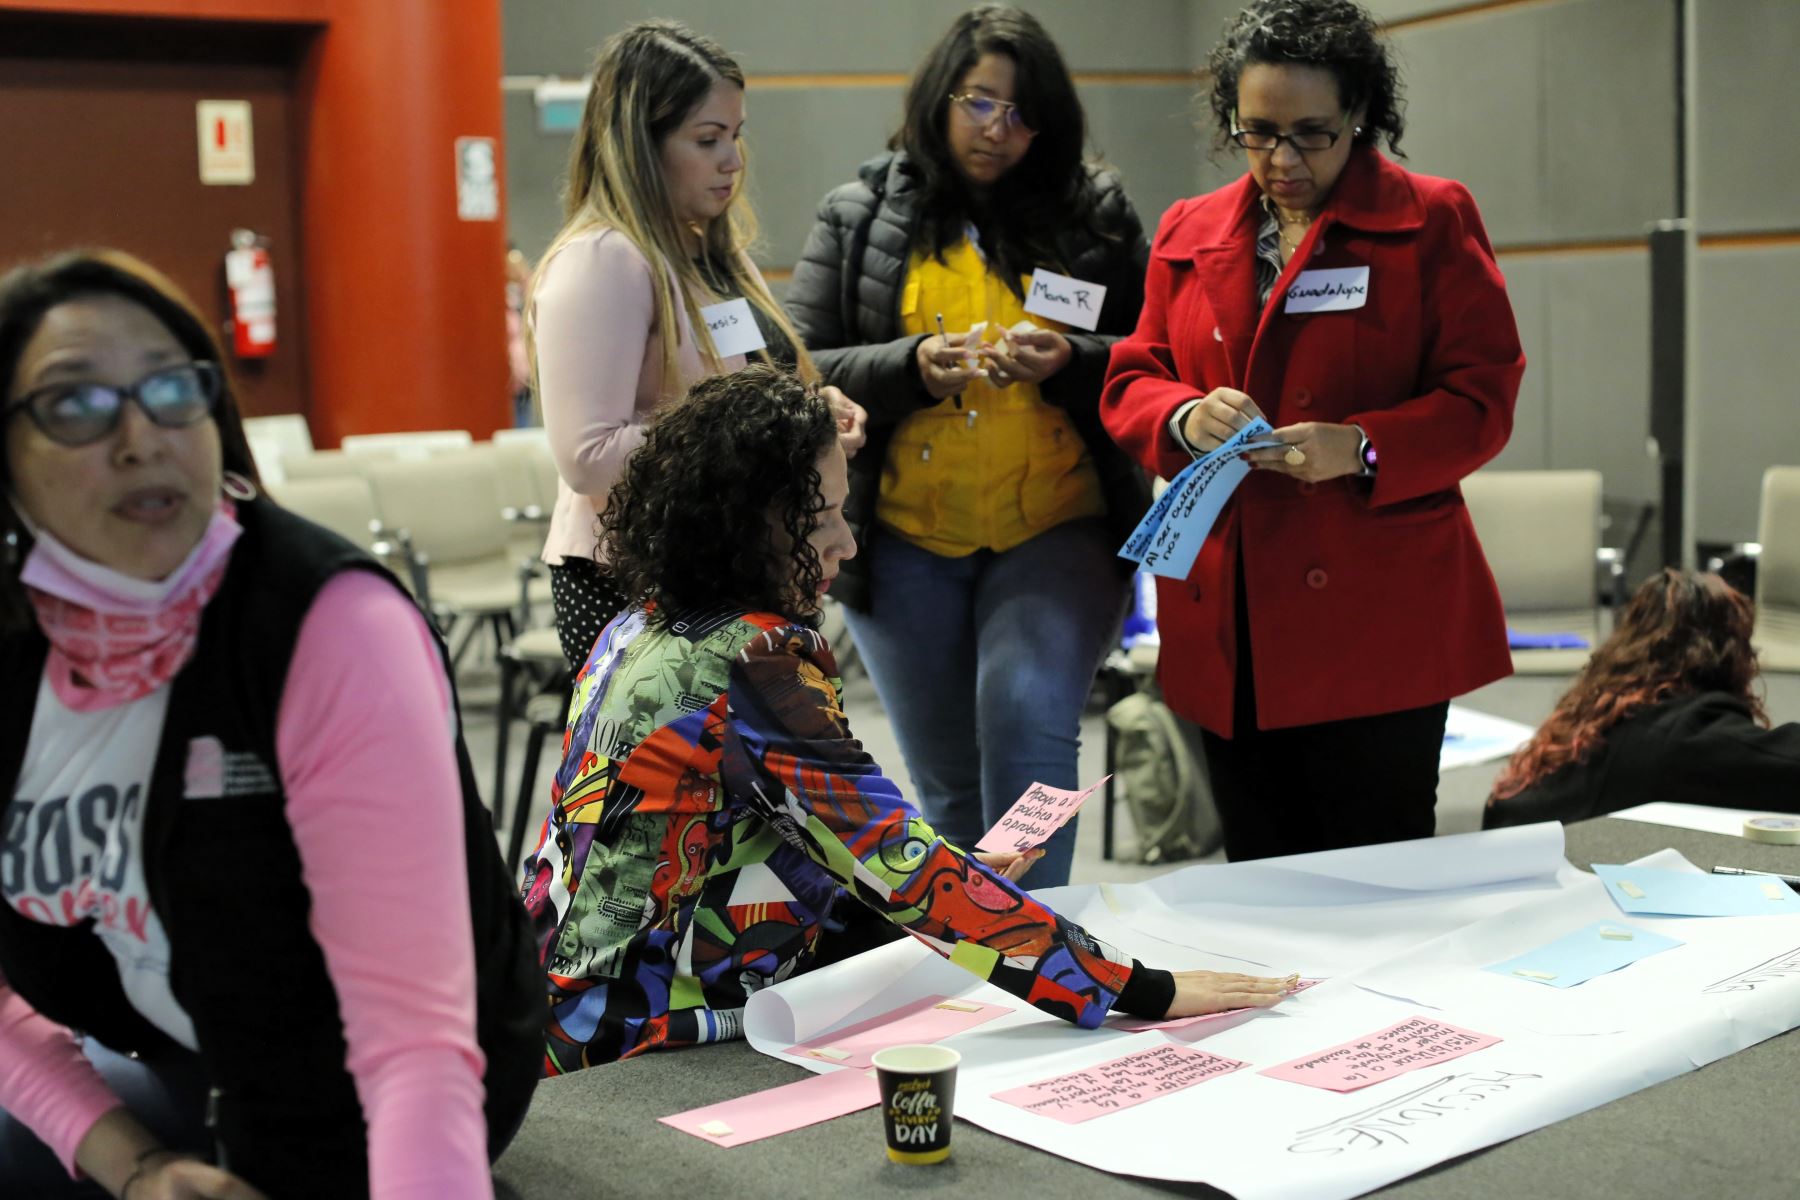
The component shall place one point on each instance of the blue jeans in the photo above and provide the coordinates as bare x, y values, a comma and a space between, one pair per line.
984, 664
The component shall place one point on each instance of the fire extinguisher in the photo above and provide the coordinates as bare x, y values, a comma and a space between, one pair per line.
250, 285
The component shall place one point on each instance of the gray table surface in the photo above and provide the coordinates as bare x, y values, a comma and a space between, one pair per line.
1730, 1129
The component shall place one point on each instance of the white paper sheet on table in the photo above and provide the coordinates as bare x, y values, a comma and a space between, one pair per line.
1472, 737
1422, 919
1703, 817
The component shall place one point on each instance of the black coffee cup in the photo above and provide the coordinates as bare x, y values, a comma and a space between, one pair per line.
918, 1093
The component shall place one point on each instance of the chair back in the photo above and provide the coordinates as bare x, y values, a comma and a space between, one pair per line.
416, 444
343, 504
1778, 563
449, 503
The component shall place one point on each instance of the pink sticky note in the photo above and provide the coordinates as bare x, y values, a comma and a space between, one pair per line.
923, 1021
779, 1110
1034, 816
1139, 1024
1119, 1084
1413, 1043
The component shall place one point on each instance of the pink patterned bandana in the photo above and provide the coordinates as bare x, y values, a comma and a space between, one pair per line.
114, 639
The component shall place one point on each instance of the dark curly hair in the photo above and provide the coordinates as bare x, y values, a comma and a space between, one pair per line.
1337, 35
1683, 632
688, 526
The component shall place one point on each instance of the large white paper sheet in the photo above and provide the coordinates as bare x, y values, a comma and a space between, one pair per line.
1471, 738
1704, 817
1423, 918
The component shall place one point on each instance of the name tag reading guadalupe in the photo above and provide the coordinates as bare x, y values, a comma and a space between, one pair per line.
1335, 290
1072, 301
733, 326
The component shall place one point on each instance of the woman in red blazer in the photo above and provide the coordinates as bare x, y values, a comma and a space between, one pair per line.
1341, 598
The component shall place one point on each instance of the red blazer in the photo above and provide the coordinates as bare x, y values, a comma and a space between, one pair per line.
1365, 596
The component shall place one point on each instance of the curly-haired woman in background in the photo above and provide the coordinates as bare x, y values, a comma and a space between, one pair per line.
713, 812
1665, 709
991, 500
1341, 598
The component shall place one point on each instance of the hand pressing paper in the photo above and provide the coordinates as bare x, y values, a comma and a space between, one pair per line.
1034, 816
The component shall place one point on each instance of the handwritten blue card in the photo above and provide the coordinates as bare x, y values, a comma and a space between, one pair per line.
1600, 949
1650, 892
1168, 539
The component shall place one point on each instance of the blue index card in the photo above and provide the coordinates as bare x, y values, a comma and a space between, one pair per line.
1516, 640
1584, 954
1168, 539
1650, 892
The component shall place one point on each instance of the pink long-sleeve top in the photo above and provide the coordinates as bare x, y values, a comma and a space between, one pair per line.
365, 747
600, 373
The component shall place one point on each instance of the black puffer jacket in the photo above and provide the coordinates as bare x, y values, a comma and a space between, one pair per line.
845, 301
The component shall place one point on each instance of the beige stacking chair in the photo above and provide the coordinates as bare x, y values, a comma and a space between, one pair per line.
419, 443
1540, 531
1778, 571
450, 505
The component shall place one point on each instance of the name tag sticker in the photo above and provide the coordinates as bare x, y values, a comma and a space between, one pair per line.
1071, 301
733, 327
1335, 290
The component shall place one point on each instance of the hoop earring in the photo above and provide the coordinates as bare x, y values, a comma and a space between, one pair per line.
237, 487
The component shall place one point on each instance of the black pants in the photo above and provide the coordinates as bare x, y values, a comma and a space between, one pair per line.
1321, 787
585, 599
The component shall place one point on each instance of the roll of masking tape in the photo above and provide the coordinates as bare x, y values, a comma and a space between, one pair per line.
1781, 831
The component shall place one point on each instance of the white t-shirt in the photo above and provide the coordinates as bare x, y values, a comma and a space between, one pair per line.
71, 843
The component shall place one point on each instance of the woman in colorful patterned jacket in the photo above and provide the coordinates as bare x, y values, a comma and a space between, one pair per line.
714, 820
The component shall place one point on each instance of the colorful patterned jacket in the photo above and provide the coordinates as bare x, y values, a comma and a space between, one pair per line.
712, 811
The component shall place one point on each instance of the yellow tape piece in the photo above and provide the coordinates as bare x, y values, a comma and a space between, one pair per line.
958, 1006
1532, 974
716, 1129
1616, 935
1631, 889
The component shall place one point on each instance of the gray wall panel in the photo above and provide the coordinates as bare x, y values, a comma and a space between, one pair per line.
784, 36
800, 149
535, 166
1474, 110
1599, 368
1749, 358
1526, 287
1609, 115
1749, 123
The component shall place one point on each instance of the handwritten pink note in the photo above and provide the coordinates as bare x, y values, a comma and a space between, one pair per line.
1413, 1043
929, 1020
1034, 816
779, 1110
1139, 1024
1119, 1084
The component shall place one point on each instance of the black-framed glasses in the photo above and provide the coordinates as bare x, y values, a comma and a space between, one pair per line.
985, 110
1306, 141
75, 414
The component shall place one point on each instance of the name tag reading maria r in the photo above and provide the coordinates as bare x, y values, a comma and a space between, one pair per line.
1072, 301
733, 327
1334, 290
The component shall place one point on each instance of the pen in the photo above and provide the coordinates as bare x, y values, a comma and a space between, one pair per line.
1792, 881
940, 320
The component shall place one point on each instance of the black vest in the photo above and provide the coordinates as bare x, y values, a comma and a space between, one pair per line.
224, 877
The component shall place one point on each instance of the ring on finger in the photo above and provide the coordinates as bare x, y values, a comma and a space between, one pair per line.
1294, 457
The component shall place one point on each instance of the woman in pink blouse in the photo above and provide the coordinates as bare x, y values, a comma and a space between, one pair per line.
636, 297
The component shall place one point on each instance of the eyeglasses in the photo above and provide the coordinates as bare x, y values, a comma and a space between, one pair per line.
1304, 140
985, 110
75, 414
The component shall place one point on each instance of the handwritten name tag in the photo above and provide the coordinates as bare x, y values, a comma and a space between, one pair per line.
733, 327
1071, 301
1329, 290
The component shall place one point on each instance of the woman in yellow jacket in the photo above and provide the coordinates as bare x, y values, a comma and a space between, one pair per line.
989, 501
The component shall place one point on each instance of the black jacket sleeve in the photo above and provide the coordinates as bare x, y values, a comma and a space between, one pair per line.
882, 376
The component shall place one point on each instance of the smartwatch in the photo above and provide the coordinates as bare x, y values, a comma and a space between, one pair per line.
1365, 454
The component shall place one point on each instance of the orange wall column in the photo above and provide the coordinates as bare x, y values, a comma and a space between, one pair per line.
404, 301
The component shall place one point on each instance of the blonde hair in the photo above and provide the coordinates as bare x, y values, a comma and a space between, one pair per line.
647, 79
